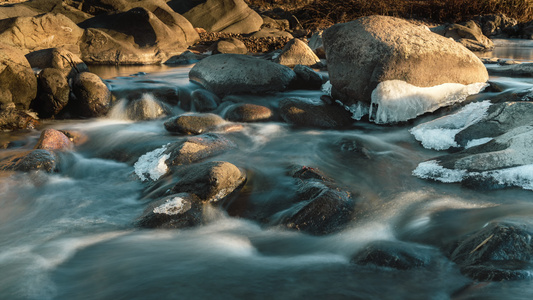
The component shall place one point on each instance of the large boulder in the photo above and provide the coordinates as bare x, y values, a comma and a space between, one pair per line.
144, 36
53, 93
18, 84
296, 52
92, 95
227, 74
61, 59
224, 16
366, 52
40, 32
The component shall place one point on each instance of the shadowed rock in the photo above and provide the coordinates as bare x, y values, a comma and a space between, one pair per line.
18, 84
314, 113
92, 95
29, 161
53, 95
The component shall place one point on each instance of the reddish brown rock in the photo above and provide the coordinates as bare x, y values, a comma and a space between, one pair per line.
52, 139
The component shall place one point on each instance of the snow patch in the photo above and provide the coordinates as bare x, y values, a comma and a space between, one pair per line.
521, 176
358, 109
153, 164
440, 134
477, 142
174, 206
397, 101
432, 170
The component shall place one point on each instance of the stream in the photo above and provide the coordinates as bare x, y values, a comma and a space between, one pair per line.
72, 234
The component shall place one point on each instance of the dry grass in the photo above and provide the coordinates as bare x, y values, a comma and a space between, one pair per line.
324, 13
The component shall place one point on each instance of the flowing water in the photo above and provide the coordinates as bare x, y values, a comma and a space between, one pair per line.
71, 234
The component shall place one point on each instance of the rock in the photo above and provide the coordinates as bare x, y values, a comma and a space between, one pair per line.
92, 95
224, 16
230, 45
316, 44
211, 181
76, 137
514, 70
65, 8
17, 10
13, 119
246, 112
279, 24
40, 32
186, 58
226, 74
26, 161
203, 100
197, 148
394, 254
296, 52
52, 139
61, 59
365, 52
307, 78
320, 208
499, 251
53, 93
470, 36
271, 33
193, 123
147, 108
18, 84
155, 36
175, 211
312, 113
493, 25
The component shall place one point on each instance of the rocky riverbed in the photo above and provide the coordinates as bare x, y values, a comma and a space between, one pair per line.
375, 159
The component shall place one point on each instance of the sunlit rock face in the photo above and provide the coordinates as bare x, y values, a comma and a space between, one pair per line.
372, 50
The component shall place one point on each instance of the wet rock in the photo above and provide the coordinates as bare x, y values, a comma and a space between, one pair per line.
52, 139
313, 113
211, 181
296, 52
197, 148
499, 251
230, 45
29, 161
186, 58
203, 100
246, 112
226, 74
193, 123
76, 137
40, 32
53, 94
13, 119
470, 36
365, 52
18, 84
225, 16
514, 70
147, 108
316, 44
68, 63
307, 78
92, 95
320, 208
394, 254
136, 36
175, 211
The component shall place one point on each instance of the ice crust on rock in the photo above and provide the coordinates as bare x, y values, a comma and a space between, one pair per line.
440, 134
326, 88
174, 206
521, 176
358, 109
477, 142
152, 164
397, 101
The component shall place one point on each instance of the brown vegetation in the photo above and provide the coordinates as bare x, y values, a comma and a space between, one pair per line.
324, 13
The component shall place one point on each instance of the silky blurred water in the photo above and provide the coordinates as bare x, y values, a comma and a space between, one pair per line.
71, 234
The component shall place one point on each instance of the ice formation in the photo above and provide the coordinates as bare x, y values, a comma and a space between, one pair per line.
153, 164
358, 109
477, 142
440, 134
326, 88
396, 100
173, 206
521, 176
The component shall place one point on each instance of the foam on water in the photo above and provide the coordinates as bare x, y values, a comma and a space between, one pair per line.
397, 101
521, 176
153, 164
440, 134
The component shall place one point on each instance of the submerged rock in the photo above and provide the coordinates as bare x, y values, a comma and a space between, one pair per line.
377, 49
175, 211
514, 70
147, 108
29, 161
193, 123
499, 251
394, 254
203, 100
227, 74
246, 112
313, 113
197, 148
